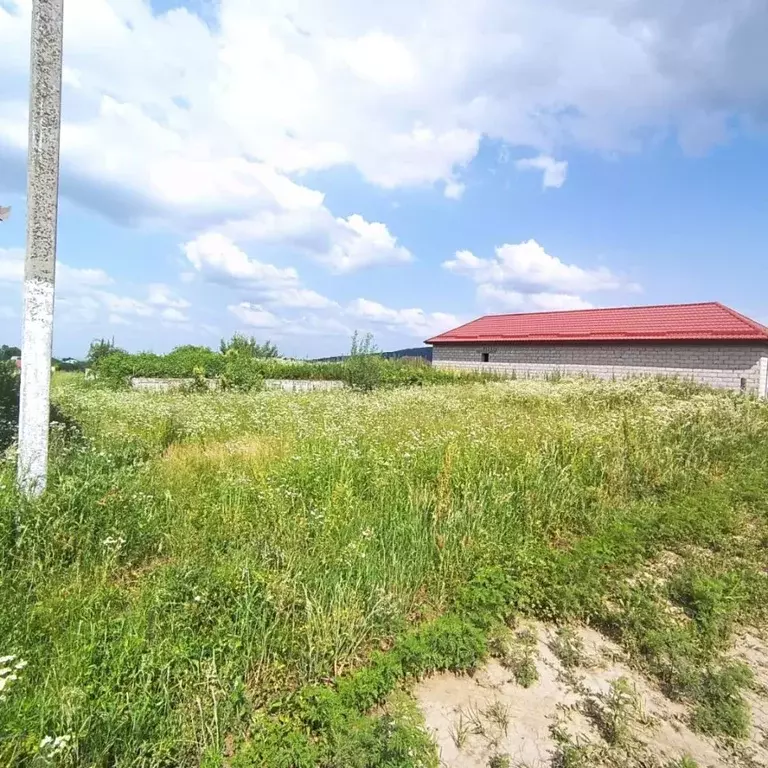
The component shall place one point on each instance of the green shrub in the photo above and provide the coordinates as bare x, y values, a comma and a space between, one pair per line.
10, 385
242, 374
721, 709
9, 403
248, 346
364, 368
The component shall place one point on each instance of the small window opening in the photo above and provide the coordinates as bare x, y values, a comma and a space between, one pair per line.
485, 357
743, 385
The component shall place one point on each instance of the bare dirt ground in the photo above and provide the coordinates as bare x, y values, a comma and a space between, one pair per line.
587, 708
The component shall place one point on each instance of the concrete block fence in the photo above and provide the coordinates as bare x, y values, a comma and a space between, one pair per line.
736, 366
287, 385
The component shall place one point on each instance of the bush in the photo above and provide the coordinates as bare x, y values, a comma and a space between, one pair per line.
242, 374
364, 368
9, 403
248, 346
10, 393
101, 348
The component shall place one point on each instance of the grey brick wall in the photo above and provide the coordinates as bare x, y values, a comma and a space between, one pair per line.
719, 365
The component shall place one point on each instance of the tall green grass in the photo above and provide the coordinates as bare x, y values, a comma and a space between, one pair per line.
200, 560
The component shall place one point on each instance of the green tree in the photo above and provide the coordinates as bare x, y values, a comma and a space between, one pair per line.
6, 352
101, 348
248, 346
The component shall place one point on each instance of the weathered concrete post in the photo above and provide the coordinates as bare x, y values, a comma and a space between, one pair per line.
40, 261
762, 378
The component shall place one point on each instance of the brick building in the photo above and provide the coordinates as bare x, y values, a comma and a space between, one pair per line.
709, 343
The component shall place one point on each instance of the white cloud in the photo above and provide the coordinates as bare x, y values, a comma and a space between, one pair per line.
454, 190
495, 298
528, 265
360, 243
414, 322
176, 123
298, 298
81, 296
173, 120
524, 277
11, 265
378, 59
67, 278
314, 325
254, 315
122, 305
174, 315
161, 295
554, 171
219, 259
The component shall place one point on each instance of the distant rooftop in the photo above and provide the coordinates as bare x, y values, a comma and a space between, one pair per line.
710, 321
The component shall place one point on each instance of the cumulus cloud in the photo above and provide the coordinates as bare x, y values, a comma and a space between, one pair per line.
254, 315
554, 171
161, 295
11, 265
524, 276
414, 322
360, 243
454, 190
173, 315
337, 320
220, 260
82, 295
67, 277
172, 119
500, 299
528, 265
298, 298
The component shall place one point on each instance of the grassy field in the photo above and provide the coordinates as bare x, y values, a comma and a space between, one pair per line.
218, 579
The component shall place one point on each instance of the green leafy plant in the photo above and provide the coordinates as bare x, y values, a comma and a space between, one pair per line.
568, 647
9, 403
240, 344
364, 368
241, 374
101, 348
7, 352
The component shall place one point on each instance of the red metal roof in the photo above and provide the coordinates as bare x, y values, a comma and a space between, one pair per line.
670, 322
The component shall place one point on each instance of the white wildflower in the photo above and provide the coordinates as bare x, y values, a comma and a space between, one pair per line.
50, 746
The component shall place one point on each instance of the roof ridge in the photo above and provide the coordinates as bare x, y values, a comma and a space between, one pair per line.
604, 309
748, 320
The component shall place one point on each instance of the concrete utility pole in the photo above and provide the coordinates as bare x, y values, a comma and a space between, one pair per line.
40, 261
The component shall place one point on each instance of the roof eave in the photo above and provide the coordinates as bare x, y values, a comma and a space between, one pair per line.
586, 338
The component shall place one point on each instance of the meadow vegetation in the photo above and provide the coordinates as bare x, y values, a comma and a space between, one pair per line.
222, 578
242, 364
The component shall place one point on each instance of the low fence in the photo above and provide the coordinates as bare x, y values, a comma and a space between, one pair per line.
302, 385
286, 385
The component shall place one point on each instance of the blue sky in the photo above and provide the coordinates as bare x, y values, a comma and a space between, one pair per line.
299, 169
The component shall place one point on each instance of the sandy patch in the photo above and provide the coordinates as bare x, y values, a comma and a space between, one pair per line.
598, 704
